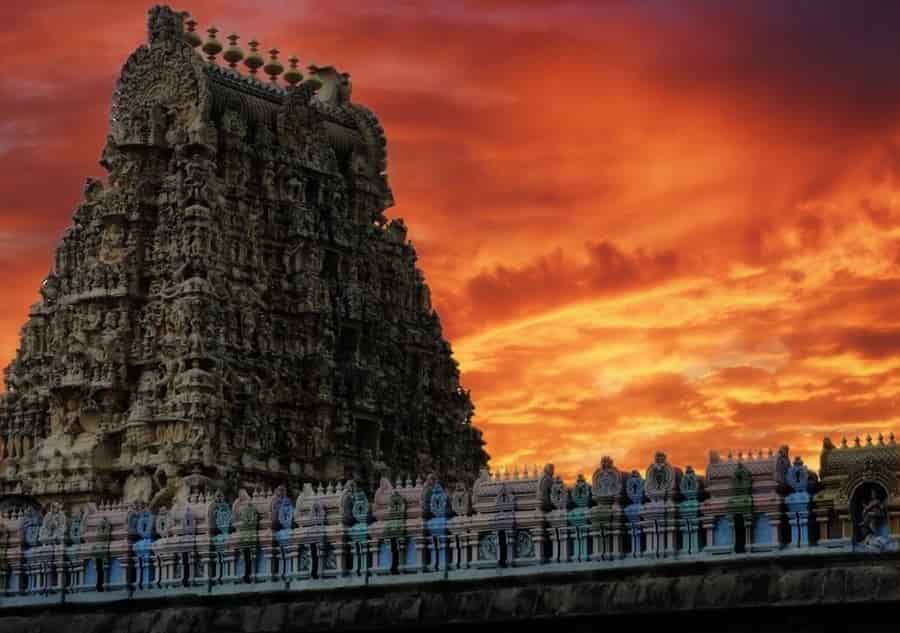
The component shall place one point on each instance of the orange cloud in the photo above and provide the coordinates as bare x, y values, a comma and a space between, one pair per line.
644, 227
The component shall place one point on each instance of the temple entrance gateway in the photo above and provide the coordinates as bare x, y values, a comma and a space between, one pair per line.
234, 306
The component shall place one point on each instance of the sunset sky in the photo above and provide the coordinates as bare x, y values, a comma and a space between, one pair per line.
646, 225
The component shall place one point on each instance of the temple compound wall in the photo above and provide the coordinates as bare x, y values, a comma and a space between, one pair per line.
746, 510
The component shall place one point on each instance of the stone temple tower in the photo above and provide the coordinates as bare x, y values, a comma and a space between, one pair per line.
231, 306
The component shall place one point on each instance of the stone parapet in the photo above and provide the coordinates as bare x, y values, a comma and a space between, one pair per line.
523, 523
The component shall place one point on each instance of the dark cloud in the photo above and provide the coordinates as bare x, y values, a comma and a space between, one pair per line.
554, 280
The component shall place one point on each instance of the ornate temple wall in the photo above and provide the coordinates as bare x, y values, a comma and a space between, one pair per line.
524, 526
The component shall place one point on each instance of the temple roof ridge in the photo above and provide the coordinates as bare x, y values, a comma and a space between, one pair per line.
858, 443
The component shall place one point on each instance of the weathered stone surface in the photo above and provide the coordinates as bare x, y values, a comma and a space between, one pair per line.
232, 305
770, 596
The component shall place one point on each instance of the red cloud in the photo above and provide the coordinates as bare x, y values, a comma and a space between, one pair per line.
643, 228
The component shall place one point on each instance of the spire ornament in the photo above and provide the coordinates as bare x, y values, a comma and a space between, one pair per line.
292, 75
234, 53
273, 67
254, 59
191, 36
212, 46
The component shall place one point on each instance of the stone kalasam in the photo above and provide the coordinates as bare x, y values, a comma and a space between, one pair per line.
232, 304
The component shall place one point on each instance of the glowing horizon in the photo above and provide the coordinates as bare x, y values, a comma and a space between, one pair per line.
644, 227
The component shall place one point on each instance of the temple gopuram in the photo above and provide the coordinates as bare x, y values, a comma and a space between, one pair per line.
234, 382
231, 306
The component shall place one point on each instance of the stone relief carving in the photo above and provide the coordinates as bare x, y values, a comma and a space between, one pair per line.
659, 478
220, 305
872, 522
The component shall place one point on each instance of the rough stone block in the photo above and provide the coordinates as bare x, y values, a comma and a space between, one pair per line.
514, 603
467, 606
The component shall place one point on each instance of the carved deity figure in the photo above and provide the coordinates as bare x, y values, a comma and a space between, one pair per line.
112, 244
659, 472
236, 171
873, 515
268, 181
138, 486
293, 188
249, 330
158, 125
198, 173
72, 419
57, 417
197, 435
195, 339
139, 128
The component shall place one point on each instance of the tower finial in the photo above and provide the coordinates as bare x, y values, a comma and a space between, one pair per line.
233, 54
292, 75
254, 60
191, 36
212, 46
273, 67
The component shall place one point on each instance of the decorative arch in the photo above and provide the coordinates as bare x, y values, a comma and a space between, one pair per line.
863, 494
869, 471
161, 87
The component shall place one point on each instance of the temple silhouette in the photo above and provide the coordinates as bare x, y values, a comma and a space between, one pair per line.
232, 304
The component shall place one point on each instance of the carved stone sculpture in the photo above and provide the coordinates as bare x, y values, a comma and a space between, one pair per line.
233, 304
